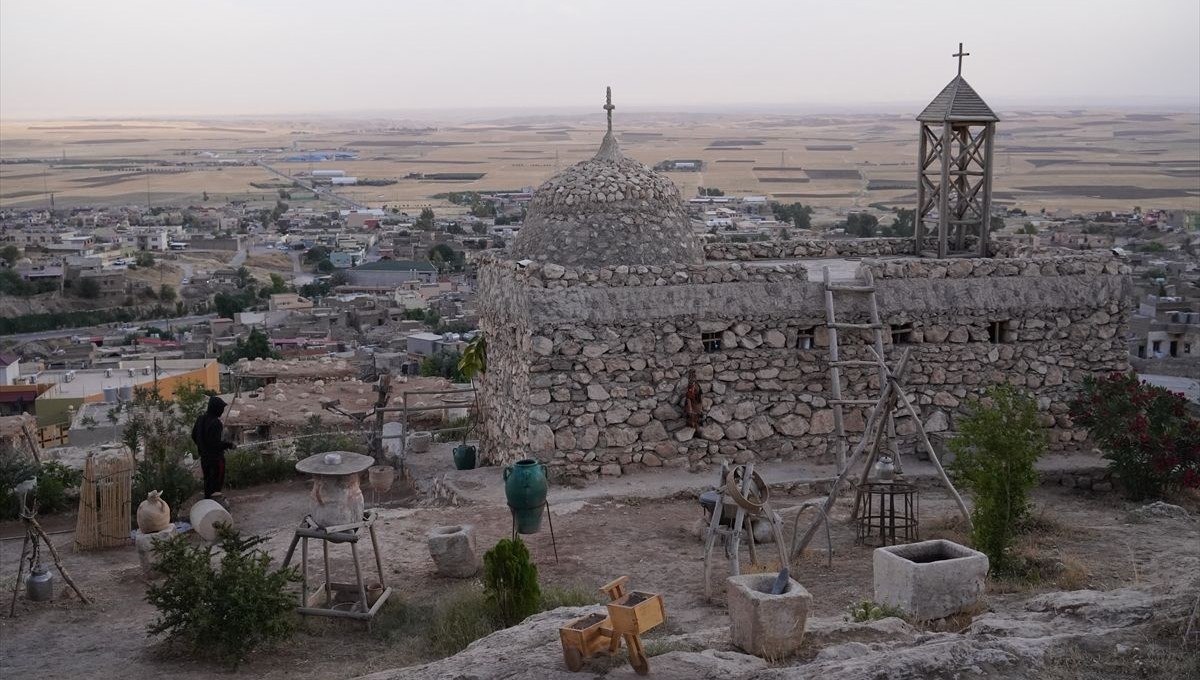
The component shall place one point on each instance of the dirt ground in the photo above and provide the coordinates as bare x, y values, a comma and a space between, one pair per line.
652, 540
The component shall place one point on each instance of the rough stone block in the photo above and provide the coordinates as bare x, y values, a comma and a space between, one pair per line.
766, 625
931, 579
453, 550
145, 546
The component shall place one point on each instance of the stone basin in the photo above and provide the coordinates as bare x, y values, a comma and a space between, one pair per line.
930, 579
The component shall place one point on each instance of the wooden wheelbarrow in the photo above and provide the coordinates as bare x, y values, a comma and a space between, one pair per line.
629, 615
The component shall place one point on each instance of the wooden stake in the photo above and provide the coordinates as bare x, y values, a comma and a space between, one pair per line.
37, 528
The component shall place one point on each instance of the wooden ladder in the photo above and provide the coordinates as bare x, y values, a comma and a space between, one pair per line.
876, 326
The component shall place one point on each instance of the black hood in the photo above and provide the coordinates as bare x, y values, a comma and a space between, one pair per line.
216, 406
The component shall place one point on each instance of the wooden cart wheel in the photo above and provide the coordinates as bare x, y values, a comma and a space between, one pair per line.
573, 658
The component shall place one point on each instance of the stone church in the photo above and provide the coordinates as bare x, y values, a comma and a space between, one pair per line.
607, 298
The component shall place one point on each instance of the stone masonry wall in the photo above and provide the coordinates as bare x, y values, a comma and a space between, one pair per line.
606, 364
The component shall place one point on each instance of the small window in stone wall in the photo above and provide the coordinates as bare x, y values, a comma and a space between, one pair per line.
711, 341
902, 334
1000, 331
804, 338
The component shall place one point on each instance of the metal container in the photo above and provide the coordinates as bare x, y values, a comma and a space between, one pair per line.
39, 585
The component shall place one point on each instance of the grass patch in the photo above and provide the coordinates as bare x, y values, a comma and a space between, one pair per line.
661, 646
862, 612
447, 625
554, 597
437, 629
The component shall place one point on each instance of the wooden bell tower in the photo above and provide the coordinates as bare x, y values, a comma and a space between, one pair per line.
954, 171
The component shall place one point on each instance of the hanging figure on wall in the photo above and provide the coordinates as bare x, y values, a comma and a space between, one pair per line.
693, 406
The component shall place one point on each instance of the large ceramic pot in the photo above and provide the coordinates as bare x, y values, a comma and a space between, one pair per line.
153, 515
464, 457
525, 488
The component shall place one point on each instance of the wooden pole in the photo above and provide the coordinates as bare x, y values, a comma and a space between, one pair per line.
919, 216
12, 608
962, 507
944, 191
37, 528
986, 225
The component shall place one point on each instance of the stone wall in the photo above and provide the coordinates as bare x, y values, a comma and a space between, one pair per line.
779, 250
605, 359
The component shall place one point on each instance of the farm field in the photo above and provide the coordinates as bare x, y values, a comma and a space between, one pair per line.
1078, 160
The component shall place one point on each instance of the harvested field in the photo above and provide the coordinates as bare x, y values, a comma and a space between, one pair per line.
833, 174
403, 142
118, 140
890, 184
519, 155
1112, 192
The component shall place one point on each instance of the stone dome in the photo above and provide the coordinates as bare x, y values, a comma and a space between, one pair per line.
608, 210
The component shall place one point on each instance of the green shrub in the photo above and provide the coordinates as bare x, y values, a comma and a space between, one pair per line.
862, 612
250, 467
510, 582
318, 437
999, 440
224, 612
1151, 443
55, 480
15, 468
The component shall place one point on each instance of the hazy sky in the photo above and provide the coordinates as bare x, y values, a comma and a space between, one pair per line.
195, 57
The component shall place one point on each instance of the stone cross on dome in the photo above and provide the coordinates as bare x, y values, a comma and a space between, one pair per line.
960, 55
608, 105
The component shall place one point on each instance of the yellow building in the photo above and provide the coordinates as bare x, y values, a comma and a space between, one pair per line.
69, 389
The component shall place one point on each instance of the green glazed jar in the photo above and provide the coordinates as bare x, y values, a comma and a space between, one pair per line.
525, 487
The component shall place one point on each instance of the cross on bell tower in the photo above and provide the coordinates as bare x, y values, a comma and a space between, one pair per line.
608, 106
960, 55
954, 171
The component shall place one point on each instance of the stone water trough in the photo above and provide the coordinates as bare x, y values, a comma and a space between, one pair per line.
766, 625
931, 579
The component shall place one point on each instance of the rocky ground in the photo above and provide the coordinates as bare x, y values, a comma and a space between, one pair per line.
1108, 604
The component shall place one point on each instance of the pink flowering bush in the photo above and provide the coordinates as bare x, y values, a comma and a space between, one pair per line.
1151, 442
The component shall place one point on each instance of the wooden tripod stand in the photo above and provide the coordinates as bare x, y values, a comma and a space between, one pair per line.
34, 536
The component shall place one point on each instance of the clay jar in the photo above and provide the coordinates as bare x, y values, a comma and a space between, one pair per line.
153, 514
381, 477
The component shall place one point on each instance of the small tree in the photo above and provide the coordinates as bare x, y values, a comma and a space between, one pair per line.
998, 443
225, 612
510, 582
166, 292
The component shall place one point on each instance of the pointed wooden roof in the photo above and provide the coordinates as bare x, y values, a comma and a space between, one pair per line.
958, 102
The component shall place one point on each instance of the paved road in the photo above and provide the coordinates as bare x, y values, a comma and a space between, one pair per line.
299, 276
20, 338
325, 193
1188, 387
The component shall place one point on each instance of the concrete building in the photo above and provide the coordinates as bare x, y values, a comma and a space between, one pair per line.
10, 368
288, 302
424, 344
1166, 327
345, 259
390, 274
69, 389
